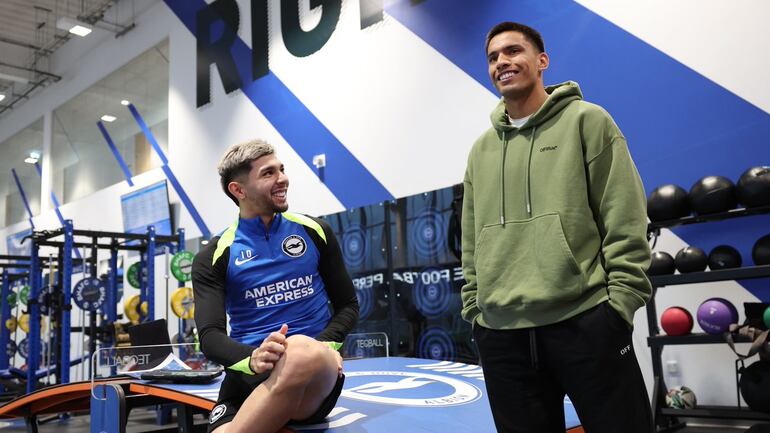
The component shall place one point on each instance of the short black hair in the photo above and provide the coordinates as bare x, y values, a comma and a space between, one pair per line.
532, 35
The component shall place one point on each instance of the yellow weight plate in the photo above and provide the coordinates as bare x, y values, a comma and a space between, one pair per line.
182, 303
132, 311
24, 323
11, 324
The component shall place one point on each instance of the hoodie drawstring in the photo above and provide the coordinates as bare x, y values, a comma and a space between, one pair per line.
503, 148
529, 165
502, 179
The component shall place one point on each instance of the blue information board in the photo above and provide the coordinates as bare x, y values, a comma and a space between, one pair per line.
147, 206
16, 248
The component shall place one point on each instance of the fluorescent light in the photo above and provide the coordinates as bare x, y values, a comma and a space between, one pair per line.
33, 158
80, 30
2, 96
124, 102
108, 118
73, 26
14, 78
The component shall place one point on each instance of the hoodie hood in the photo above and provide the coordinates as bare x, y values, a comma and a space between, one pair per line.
559, 95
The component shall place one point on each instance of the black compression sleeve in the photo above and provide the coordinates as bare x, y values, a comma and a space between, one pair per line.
339, 287
210, 316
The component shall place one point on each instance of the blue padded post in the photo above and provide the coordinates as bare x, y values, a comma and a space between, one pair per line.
108, 409
5, 313
33, 338
151, 273
66, 288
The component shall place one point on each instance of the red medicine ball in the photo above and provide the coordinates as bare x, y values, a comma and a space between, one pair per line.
676, 321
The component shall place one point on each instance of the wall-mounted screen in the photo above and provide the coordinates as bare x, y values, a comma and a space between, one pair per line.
147, 206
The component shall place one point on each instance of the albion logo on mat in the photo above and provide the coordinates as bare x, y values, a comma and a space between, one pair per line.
410, 389
294, 246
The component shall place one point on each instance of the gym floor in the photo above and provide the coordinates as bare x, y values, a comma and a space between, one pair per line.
139, 421
144, 421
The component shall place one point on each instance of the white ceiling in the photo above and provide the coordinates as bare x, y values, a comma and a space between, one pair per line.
28, 36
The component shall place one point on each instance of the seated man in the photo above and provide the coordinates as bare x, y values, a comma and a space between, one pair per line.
273, 273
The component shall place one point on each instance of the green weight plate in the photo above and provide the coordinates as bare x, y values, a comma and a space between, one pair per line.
12, 299
181, 266
133, 275
24, 294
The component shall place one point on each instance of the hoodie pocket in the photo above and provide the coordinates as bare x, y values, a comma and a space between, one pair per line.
526, 262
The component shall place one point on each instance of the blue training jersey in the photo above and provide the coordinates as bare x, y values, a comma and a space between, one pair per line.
261, 278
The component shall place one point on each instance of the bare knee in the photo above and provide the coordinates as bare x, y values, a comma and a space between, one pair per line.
303, 360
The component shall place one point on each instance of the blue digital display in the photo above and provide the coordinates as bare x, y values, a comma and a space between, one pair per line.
145, 207
16, 248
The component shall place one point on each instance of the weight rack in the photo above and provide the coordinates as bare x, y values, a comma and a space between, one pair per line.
112, 241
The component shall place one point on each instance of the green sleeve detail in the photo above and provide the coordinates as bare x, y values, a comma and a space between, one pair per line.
333, 344
305, 221
224, 241
242, 366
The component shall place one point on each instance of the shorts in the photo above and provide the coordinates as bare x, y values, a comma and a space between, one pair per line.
237, 387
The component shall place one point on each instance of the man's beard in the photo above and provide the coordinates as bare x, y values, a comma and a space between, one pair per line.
280, 208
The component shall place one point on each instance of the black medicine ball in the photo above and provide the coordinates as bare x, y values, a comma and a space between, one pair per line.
754, 187
661, 264
712, 194
724, 257
667, 202
755, 385
691, 259
761, 251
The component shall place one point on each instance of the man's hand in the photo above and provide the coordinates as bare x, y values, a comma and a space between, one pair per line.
270, 351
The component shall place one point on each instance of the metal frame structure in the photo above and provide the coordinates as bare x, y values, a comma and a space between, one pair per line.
8, 262
149, 242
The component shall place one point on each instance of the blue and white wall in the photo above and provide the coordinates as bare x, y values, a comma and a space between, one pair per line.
396, 106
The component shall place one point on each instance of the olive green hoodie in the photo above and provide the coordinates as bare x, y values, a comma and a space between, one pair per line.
554, 218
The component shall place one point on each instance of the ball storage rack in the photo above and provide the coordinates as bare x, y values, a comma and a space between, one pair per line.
667, 419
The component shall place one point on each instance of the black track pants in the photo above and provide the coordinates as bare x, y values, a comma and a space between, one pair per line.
588, 357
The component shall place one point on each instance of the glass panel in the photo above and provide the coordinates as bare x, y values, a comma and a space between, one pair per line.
13, 152
416, 303
361, 234
427, 277
82, 161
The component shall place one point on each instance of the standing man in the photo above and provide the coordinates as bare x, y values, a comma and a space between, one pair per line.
273, 273
554, 251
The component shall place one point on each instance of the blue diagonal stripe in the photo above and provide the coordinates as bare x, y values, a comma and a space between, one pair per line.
344, 175
23, 197
116, 152
188, 204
